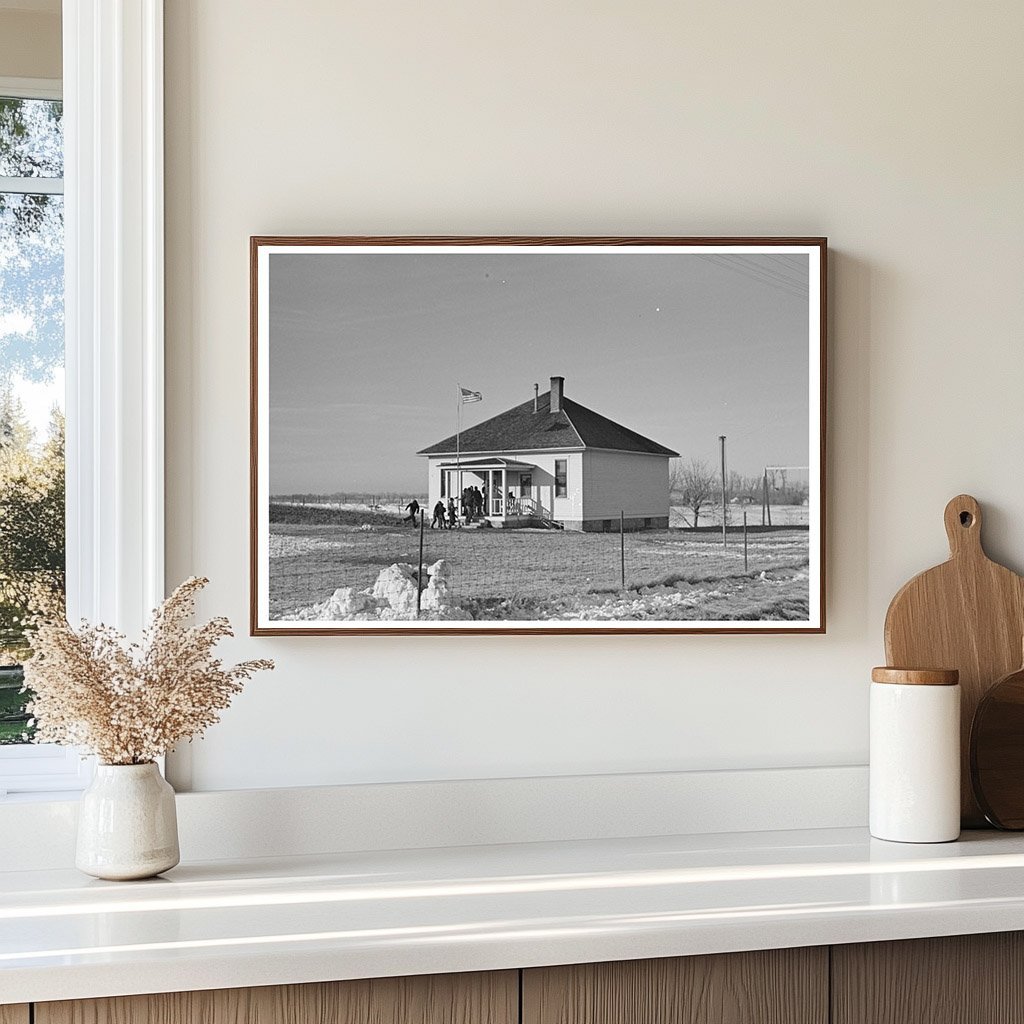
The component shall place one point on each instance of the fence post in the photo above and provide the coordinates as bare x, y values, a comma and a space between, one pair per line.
419, 574
622, 545
744, 540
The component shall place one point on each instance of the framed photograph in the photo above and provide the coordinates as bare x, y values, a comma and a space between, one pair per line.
537, 435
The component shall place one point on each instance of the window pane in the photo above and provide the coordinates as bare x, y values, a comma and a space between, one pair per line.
561, 477
31, 138
13, 720
31, 432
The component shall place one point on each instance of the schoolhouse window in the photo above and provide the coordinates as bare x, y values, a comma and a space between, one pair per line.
561, 477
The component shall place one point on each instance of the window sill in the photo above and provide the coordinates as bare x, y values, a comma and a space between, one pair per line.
289, 920
40, 797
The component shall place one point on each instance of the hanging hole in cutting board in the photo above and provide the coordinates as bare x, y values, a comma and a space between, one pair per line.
966, 519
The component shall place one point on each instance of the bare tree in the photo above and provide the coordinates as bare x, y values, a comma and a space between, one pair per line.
694, 482
743, 487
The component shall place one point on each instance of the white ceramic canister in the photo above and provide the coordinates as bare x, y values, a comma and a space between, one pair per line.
915, 755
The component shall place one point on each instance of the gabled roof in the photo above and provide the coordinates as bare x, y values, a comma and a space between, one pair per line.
521, 429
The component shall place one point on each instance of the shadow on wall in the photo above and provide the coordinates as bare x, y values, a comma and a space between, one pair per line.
855, 287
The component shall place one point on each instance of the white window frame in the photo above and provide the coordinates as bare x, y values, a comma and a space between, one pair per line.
114, 336
565, 486
31, 89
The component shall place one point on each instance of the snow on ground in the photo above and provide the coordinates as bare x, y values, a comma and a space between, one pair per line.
394, 595
281, 544
346, 506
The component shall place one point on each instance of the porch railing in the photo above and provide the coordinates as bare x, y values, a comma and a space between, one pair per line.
521, 506
532, 507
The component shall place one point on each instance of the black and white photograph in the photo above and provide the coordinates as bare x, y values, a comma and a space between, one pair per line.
537, 435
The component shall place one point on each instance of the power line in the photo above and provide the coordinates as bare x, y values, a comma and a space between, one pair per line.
758, 273
761, 275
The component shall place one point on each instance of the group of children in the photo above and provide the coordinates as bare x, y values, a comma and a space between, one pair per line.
446, 517
473, 503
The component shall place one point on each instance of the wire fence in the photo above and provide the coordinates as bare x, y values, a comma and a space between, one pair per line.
535, 573
682, 517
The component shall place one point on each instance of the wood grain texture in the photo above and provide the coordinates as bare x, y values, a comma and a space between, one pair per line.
915, 676
997, 752
778, 986
967, 614
963, 979
15, 1014
482, 998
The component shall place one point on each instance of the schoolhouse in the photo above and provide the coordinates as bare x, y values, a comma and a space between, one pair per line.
552, 461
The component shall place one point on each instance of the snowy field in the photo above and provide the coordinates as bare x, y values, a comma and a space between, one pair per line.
673, 574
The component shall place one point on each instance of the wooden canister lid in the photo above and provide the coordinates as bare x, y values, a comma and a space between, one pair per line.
916, 676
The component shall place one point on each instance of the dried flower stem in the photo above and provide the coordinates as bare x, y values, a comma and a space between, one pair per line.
129, 703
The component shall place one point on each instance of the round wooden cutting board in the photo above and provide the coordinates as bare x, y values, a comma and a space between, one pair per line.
968, 614
997, 752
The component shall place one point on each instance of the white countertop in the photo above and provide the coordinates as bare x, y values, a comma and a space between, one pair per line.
225, 924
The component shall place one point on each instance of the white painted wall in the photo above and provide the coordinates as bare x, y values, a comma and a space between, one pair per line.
895, 129
621, 481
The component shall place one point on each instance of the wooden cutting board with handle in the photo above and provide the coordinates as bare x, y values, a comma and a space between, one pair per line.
967, 614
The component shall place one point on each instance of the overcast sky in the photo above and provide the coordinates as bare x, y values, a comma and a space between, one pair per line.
366, 351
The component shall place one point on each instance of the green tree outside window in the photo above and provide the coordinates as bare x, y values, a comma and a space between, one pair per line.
31, 357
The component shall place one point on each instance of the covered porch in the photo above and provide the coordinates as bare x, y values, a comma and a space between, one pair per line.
506, 484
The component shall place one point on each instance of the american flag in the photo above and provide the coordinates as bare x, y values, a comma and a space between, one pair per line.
470, 396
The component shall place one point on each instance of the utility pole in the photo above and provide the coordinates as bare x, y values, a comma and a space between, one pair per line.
721, 438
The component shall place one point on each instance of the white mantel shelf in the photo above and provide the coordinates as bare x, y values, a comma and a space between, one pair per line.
225, 924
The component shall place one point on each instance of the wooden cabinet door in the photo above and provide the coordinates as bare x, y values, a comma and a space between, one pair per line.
14, 1014
779, 986
963, 979
491, 998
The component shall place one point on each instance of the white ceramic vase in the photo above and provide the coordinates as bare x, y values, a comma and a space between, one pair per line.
127, 825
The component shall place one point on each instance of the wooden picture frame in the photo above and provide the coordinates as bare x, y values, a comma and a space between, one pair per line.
467, 373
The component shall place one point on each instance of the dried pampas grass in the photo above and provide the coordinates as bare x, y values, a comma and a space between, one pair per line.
128, 704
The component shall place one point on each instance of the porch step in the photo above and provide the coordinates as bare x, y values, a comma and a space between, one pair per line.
547, 524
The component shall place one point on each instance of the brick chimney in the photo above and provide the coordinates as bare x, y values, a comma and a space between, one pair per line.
557, 393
